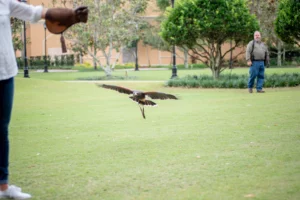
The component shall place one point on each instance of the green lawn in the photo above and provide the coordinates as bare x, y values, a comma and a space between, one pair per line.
75, 141
146, 75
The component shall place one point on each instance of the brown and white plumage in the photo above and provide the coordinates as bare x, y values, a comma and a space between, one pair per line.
140, 96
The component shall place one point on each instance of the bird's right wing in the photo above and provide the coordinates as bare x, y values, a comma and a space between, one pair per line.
160, 95
117, 88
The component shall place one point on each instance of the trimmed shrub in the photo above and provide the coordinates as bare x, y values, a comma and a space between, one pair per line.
234, 81
56, 62
84, 67
125, 66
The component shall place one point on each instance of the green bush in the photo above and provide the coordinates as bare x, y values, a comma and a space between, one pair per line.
234, 81
125, 66
20, 62
70, 60
297, 60
273, 61
57, 62
86, 66
293, 62
191, 66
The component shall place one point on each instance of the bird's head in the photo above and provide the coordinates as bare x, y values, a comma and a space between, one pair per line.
136, 92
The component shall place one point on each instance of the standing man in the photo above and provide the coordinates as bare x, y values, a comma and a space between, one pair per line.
257, 57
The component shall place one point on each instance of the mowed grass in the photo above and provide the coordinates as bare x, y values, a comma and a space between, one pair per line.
75, 141
146, 74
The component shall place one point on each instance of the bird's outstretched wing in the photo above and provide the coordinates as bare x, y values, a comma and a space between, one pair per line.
160, 95
117, 88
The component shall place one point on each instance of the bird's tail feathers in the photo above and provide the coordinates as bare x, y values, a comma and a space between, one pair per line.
143, 102
148, 103
134, 98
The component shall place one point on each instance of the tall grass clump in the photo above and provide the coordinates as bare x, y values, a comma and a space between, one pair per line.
234, 81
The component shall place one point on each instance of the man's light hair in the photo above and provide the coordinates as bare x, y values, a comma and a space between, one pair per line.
257, 32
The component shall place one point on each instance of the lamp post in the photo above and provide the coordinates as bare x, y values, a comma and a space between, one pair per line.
174, 68
136, 56
26, 72
136, 50
230, 63
45, 57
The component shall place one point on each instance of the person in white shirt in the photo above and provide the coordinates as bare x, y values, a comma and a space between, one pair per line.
8, 69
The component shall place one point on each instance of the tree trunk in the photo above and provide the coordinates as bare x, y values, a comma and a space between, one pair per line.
108, 72
80, 58
216, 64
252, 7
186, 64
94, 60
215, 73
108, 60
148, 58
279, 53
116, 60
258, 9
215, 69
283, 55
108, 69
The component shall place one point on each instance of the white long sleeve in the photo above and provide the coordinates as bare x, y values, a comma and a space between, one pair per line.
24, 11
12, 8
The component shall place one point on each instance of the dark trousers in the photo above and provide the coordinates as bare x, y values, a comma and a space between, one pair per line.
6, 103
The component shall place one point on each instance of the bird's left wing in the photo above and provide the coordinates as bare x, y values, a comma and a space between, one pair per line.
160, 95
117, 88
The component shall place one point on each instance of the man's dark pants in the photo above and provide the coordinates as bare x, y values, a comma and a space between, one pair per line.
257, 70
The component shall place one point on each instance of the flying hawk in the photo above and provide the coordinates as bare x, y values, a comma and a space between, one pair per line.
140, 96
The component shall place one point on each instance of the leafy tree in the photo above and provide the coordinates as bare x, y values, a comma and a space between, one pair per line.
287, 24
266, 13
77, 48
163, 4
138, 34
112, 25
16, 27
204, 26
152, 37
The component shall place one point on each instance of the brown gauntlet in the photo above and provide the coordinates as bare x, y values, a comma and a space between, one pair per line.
60, 19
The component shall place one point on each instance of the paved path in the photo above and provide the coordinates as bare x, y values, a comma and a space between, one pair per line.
143, 69
110, 81
71, 70
57, 70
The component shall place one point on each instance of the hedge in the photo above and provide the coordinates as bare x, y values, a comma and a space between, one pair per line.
234, 81
56, 62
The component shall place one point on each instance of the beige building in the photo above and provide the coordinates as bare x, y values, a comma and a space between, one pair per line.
146, 55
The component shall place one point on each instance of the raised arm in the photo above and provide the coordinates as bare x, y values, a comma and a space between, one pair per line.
26, 12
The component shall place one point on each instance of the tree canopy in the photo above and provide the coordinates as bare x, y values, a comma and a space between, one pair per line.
16, 27
287, 24
112, 25
204, 26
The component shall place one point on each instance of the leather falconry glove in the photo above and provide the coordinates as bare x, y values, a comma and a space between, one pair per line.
60, 19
